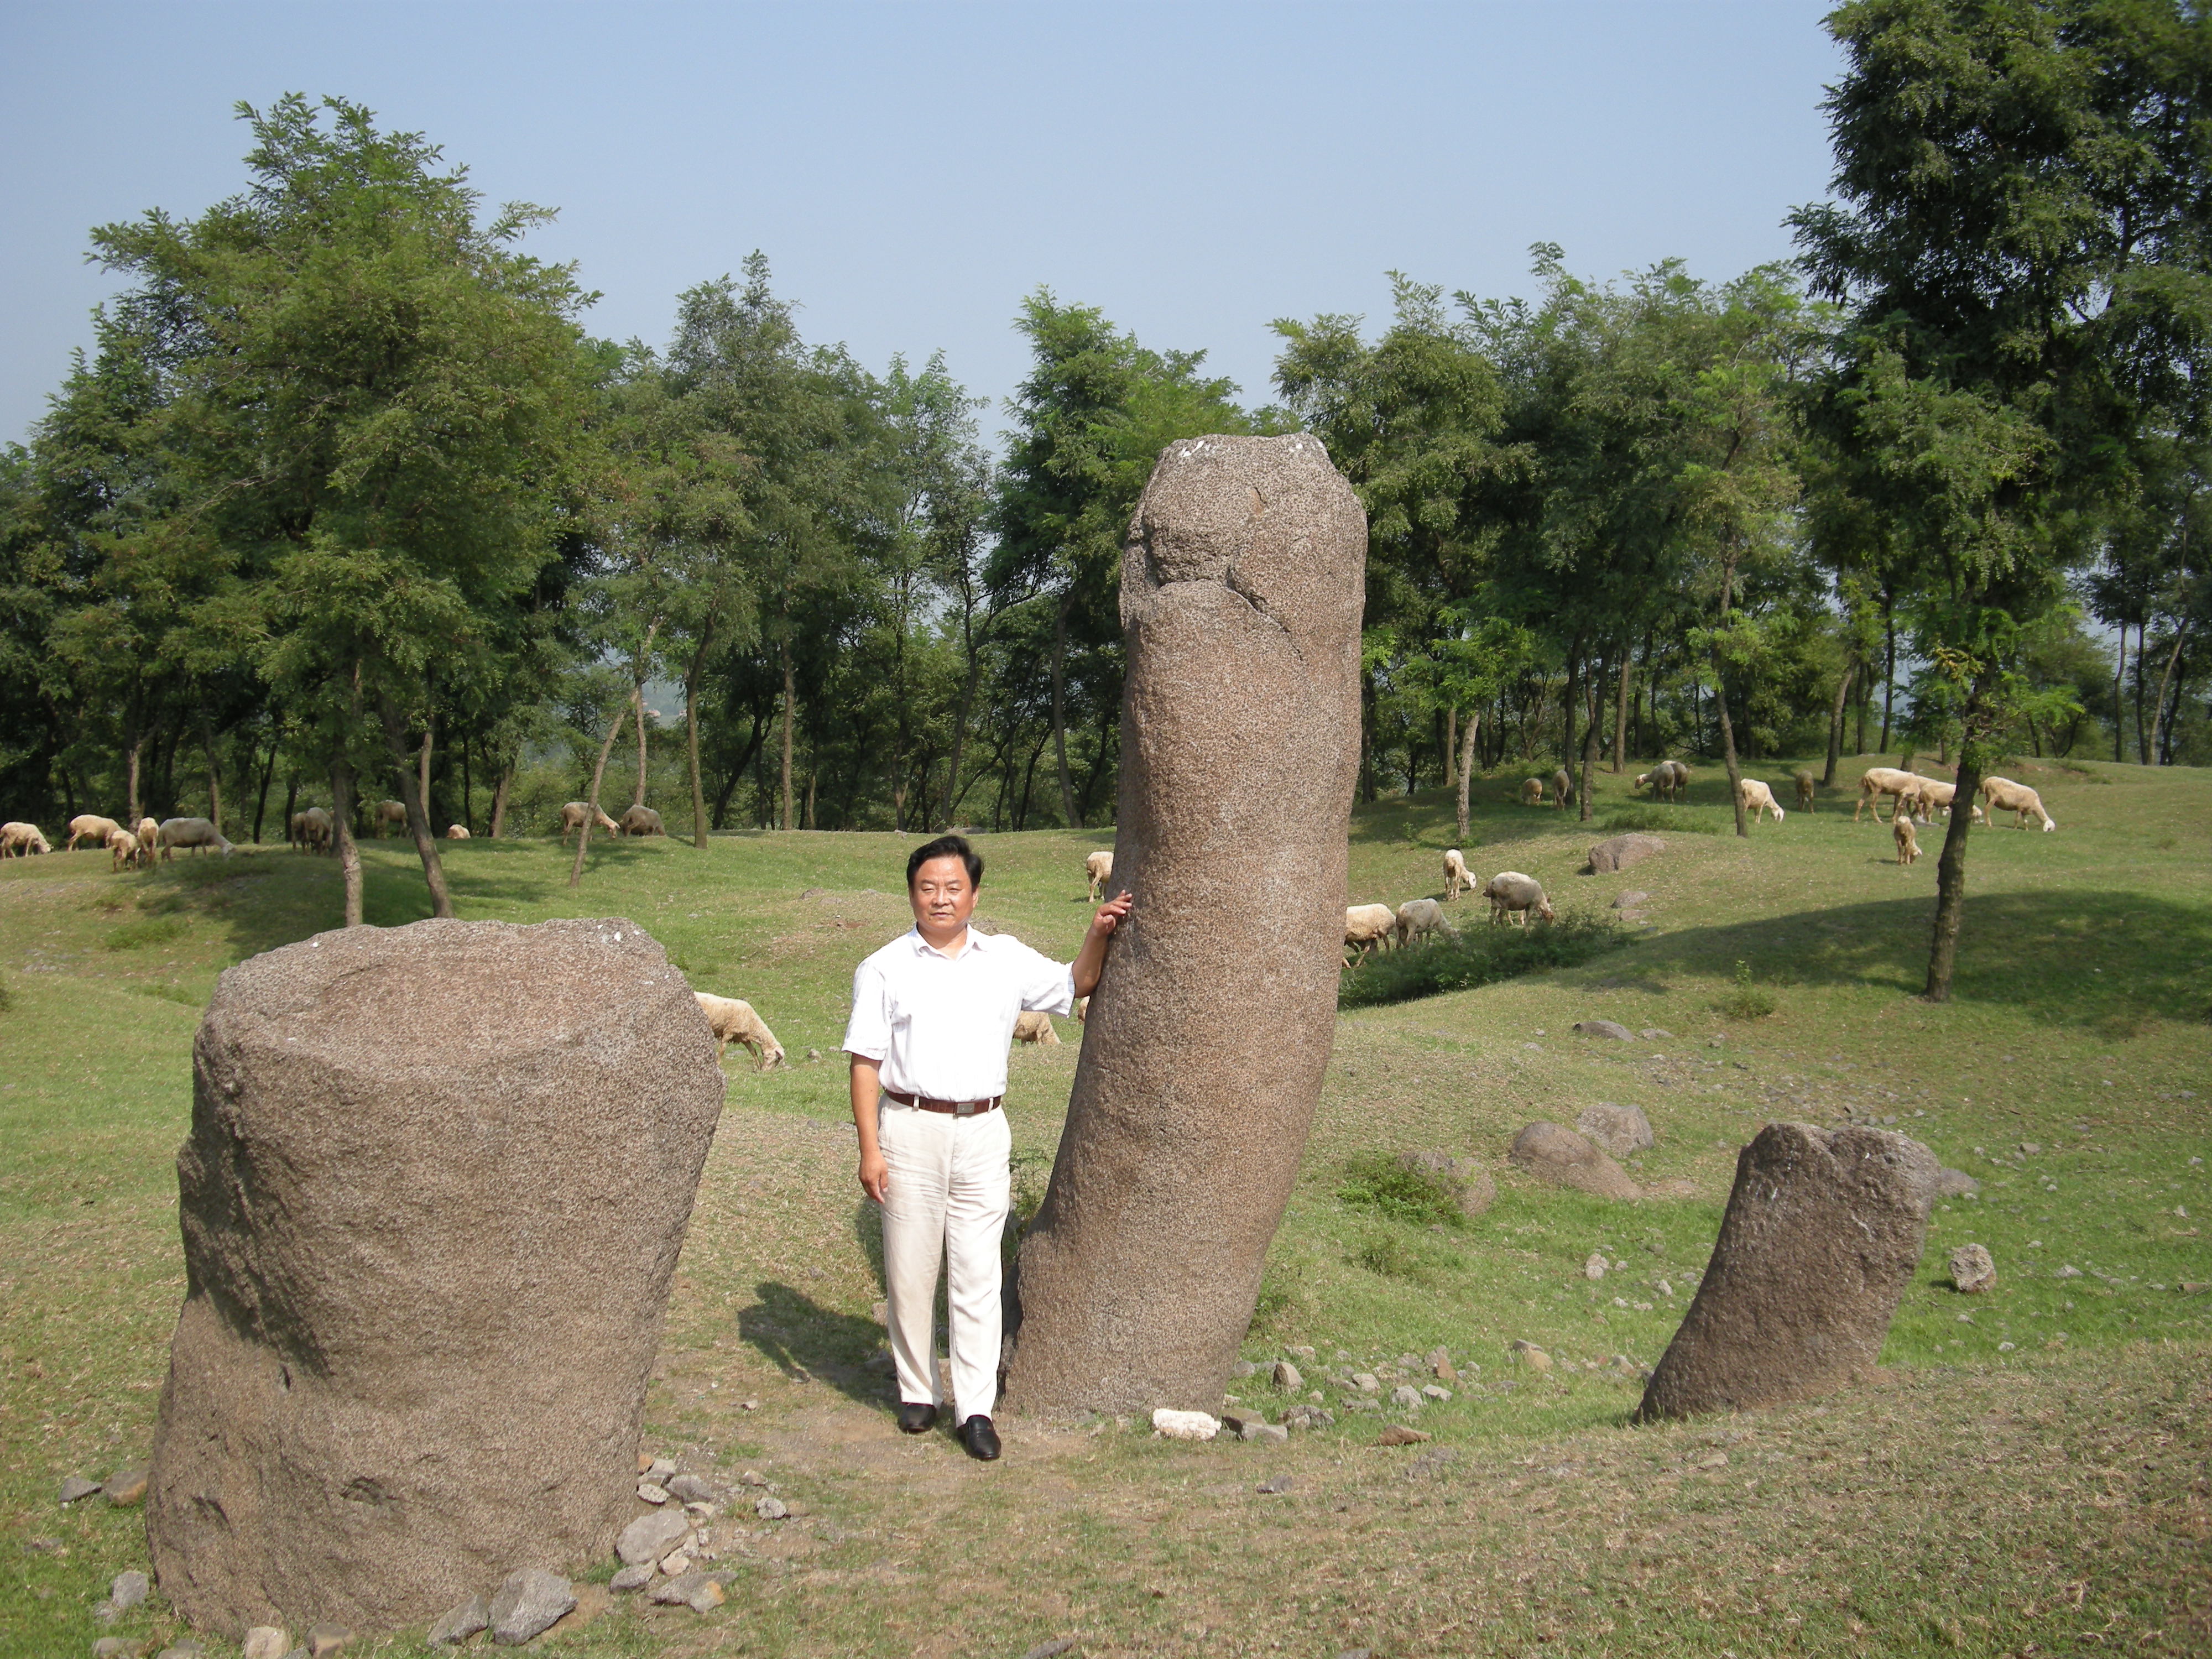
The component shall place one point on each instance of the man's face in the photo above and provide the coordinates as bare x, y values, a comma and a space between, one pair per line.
942, 896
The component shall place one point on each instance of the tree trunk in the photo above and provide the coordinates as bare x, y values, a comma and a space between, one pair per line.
2159, 721
261, 798
291, 804
499, 800
215, 777
1569, 705
691, 731
592, 805
1889, 669
1059, 710
1466, 769
430, 723
1451, 747
349, 850
1721, 706
2120, 700
1951, 867
468, 791
790, 708
960, 737
1593, 737
2143, 734
418, 815
138, 742
1836, 725
1621, 710
637, 701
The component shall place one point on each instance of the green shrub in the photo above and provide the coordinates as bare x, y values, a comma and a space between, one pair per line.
1646, 818
1481, 955
1377, 1182
154, 930
1389, 1256
1745, 1001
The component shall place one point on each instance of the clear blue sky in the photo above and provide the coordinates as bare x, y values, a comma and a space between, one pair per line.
913, 170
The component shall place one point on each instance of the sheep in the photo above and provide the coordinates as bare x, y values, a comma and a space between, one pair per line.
1419, 918
1756, 798
1532, 792
90, 826
1636, 785
1099, 866
1563, 789
1665, 779
1678, 777
389, 811
1511, 890
1879, 781
122, 849
1932, 794
573, 814
189, 832
1805, 787
22, 840
1030, 1026
641, 821
149, 833
732, 1020
1456, 875
1366, 927
295, 830
1908, 844
316, 830
457, 832
2004, 795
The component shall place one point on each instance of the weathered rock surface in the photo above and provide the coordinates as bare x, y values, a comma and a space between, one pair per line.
529, 1604
76, 1488
1955, 1184
1821, 1235
1630, 899
1973, 1270
266, 1641
1465, 1183
1565, 1159
1618, 1130
1203, 1048
462, 1622
1605, 1028
125, 1487
1621, 852
647, 1538
632, 1578
436, 1183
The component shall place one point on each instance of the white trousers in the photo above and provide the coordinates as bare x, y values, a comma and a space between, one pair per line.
949, 1190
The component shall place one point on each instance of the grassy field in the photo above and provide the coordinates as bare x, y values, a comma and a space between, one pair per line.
2027, 1475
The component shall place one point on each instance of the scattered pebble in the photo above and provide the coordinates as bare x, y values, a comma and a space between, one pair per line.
770, 1507
1288, 1375
632, 1578
694, 1590
527, 1605
464, 1621
1595, 1267
677, 1564
1972, 1270
1406, 1397
1366, 1382
266, 1641
1273, 1483
1436, 1391
76, 1488
128, 1590
651, 1493
125, 1487
324, 1639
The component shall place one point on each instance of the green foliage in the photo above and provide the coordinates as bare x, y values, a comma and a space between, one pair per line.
1392, 1255
1481, 955
1379, 1182
147, 931
1744, 1000
1648, 818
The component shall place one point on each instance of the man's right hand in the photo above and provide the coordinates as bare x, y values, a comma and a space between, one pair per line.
875, 1174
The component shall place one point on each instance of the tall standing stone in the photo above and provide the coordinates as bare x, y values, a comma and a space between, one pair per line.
436, 1183
1822, 1235
1203, 1050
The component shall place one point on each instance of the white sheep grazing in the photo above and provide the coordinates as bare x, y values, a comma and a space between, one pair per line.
296, 832
1509, 890
1636, 785
389, 811
574, 815
2004, 795
1563, 788
457, 832
1678, 777
1931, 795
122, 849
22, 840
149, 833
1532, 792
1031, 1026
197, 833
1366, 926
1099, 866
732, 1020
316, 830
1879, 781
1757, 799
1908, 844
1419, 918
641, 821
1455, 874
90, 826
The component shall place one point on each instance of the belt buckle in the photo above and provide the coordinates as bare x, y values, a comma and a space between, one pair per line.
963, 1109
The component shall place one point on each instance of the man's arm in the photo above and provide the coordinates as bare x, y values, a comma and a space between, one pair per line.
867, 1084
1090, 960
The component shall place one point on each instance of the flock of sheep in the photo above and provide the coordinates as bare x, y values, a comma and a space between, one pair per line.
133, 848
1368, 928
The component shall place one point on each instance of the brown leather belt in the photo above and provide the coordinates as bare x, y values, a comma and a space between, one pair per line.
955, 1107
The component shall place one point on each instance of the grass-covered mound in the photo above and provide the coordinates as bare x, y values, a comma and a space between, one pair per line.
1479, 955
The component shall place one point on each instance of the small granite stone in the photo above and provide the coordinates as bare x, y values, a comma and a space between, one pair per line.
1406, 1397
323, 1640
632, 1578
651, 1493
770, 1507
185, 1649
266, 1641
125, 1487
1436, 1391
528, 1604
694, 1590
118, 1647
76, 1487
1618, 1131
1972, 1269
647, 1538
1955, 1183
676, 1566
1653, 1033
1275, 1433
462, 1622
1630, 899
1593, 1268
1367, 1382
1288, 1375
129, 1590
1605, 1028
659, 1471
1399, 1435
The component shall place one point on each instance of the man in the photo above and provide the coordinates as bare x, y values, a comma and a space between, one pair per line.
933, 1016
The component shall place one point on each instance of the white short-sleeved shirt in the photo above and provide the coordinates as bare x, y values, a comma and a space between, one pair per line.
940, 1025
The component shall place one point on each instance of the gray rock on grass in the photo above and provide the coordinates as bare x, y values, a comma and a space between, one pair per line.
1630, 899
530, 1603
632, 1578
1564, 1158
1605, 1028
1823, 1231
462, 1622
650, 1536
76, 1488
1955, 1183
1287, 1376
128, 1589
1618, 1130
696, 1590
1972, 1269
1622, 851
690, 1489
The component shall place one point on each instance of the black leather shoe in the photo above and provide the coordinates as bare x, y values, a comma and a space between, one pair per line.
980, 1439
916, 1417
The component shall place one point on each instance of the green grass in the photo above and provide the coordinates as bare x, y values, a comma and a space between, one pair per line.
2031, 1474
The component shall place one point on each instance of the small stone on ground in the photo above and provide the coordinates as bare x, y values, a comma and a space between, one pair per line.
1399, 1435
1972, 1269
76, 1487
326, 1639
528, 1604
125, 1487
1605, 1028
266, 1641
462, 1622
632, 1578
1184, 1425
129, 1590
647, 1538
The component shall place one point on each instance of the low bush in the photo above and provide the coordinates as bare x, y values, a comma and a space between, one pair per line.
1481, 955
1646, 818
1745, 1001
1377, 1182
154, 930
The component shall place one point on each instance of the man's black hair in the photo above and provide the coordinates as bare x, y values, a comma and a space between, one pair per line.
945, 847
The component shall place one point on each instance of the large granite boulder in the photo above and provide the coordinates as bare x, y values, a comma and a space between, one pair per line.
1561, 1157
1622, 851
1618, 1130
1203, 1050
1821, 1236
436, 1183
